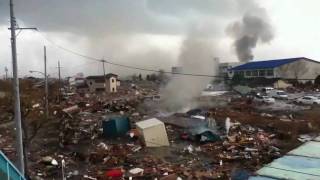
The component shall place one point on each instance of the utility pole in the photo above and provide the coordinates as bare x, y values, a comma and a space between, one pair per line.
16, 94
6, 70
16, 90
104, 74
59, 83
46, 82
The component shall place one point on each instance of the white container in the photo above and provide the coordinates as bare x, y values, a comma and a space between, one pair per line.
153, 132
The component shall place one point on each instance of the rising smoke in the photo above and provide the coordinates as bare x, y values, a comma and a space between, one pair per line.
253, 28
109, 30
196, 56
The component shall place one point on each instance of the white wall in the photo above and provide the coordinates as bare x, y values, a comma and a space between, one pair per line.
111, 85
303, 69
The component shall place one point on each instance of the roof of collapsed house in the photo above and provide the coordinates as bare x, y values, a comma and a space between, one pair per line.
268, 64
101, 77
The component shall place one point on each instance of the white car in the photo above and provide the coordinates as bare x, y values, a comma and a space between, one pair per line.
264, 99
278, 94
308, 100
267, 89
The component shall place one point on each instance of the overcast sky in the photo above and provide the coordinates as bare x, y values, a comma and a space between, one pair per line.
148, 33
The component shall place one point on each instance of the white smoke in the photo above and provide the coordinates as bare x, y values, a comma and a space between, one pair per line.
196, 57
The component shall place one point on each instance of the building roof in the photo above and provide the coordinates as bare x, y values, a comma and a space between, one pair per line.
268, 64
101, 77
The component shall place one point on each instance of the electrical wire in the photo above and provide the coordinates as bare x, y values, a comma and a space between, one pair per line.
66, 49
122, 65
144, 69
79, 65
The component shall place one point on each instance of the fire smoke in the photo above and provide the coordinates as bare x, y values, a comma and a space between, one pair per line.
254, 27
195, 57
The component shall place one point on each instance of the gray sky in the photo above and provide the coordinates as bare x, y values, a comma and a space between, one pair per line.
148, 33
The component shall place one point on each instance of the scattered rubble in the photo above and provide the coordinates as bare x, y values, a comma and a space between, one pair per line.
100, 137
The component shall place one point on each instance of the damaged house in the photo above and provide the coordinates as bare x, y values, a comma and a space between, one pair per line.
108, 83
300, 68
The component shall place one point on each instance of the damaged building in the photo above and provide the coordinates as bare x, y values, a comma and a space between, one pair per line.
300, 68
108, 83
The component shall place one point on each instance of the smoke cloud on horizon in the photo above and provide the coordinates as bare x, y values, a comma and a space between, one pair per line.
122, 31
253, 28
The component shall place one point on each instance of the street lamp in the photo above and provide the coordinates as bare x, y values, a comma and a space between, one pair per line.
45, 91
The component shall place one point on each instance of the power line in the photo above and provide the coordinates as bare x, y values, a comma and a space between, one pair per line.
67, 50
122, 65
144, 69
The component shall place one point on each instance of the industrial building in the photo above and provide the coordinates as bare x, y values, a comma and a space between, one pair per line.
225, 66
300, 68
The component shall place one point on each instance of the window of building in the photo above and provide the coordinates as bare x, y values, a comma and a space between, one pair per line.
262, 73
241, 73
248, 73
90, 83
270, 72
113, 90
112, 80
255, 73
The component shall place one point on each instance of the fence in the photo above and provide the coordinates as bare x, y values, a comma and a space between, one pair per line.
7, 170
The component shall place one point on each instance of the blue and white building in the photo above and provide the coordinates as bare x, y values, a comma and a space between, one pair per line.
301, 68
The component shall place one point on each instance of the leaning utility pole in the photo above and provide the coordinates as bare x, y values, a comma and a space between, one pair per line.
46, 82
59, 83
16, 94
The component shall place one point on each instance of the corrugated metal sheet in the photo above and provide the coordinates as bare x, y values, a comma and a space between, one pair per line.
309, 149
261, 178
302, 163
269, 64
292, 167
8, 170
